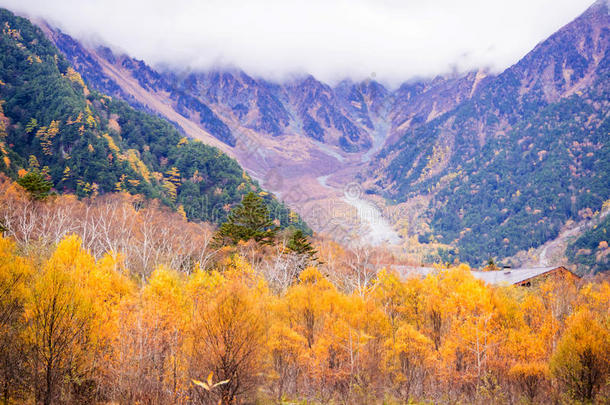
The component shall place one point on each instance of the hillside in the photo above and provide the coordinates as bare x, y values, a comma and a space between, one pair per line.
590, 250
529, 151
87, 143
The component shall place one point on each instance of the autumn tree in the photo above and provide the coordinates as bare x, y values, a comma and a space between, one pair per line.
436, 310
528, 343
148, 365
108, 288
400, 300
475, 328
15, 273
59, 315
228, 335
409, 359
287, 349
529, 376
581, 362
313, 309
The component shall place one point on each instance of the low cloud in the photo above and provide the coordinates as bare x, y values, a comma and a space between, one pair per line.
394, 40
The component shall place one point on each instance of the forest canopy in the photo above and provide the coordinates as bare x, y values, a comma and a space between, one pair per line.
147, 310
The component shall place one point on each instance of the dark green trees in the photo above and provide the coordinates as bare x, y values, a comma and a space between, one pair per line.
300, 245
36, 184
249, 220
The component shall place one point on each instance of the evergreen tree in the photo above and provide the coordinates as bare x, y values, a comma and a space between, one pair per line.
299, 244
491, 265
249, 220
36, 184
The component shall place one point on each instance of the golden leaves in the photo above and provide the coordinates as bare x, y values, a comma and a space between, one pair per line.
208, 385
215, 330
75, 77
46, 135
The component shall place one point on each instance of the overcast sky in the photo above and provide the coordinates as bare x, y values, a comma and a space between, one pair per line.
392, 40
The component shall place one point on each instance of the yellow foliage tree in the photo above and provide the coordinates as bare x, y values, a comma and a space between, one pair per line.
581, 362
15, 274
228, 339
60, 321
409, 358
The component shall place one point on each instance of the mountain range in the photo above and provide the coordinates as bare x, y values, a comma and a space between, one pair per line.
472, 165
86, 143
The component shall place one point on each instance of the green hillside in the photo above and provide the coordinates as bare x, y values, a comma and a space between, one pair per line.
88, 143
529, 151
521, 188
590, 250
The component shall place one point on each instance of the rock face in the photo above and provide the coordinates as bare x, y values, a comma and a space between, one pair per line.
221, 102
466, 142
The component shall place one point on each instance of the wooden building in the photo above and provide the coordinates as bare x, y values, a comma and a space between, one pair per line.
507, 276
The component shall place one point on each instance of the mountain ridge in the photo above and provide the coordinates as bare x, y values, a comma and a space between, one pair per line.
427, 131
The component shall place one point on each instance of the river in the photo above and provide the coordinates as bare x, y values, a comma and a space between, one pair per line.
374, 228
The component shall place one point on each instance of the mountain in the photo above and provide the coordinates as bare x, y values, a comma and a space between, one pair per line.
251, 103
342, 116
528, 151
302, 139
87, 143
217, 98
483, 164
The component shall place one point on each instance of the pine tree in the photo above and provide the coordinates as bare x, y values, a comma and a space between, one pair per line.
249, 220
491, 265
36, 184
299, 244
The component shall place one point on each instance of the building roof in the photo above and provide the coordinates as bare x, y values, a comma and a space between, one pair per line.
411, 271
499, 277
512, 276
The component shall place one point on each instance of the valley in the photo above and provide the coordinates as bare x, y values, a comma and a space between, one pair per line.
204, 235
412, 151
288, 163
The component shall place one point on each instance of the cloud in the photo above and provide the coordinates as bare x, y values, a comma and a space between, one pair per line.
331, 39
